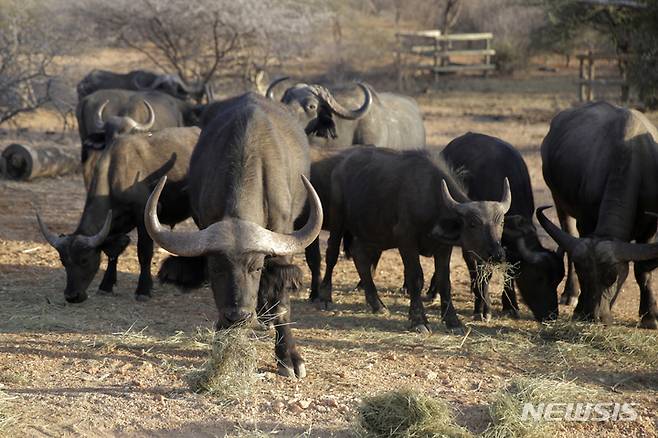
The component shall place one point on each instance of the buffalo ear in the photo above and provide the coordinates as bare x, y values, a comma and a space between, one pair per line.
113, 247
447, 231
323, 125
517, 226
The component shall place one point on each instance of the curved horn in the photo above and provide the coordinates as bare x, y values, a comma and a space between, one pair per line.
97, 239
534, 257
324, 94
53, 239
145, 127
635, 252
448, 200
564, 239
99, 115
507, 195
233, 235
270, 90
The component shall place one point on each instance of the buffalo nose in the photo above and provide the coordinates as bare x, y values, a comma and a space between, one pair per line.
235, 316
498, 255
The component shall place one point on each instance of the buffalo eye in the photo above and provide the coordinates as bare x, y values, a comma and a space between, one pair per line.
253, 269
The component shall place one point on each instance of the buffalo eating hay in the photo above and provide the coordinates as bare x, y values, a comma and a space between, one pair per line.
407, 414
230, 371
506, 408
23, 163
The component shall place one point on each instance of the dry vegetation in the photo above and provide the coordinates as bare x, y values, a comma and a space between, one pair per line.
115, 367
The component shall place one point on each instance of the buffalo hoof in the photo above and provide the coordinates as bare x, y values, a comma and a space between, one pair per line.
512, 313
452, 322
486, 317
649, 322
430, 298
142, 297
105, 292
298, 371
323, 305
422, 329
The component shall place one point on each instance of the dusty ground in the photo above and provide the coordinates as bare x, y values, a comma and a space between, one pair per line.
112, 366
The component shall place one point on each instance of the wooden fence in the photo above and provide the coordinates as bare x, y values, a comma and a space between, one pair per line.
588, 79
429, 51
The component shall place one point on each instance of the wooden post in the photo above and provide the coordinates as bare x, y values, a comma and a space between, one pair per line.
487, 57
591, 76
581, 76
398, 59
437, 48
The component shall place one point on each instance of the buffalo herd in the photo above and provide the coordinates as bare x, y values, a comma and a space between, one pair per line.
262, 175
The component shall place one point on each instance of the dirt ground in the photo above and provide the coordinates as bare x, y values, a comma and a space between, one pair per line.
112, 366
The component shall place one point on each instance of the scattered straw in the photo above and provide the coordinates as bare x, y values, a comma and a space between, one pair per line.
407, 414
488, 271
506, 407
630, 342
6, 417
230, 371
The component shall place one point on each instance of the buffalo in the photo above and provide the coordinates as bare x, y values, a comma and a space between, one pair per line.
107, 113
120, 184
140, 80
599, 162
414, 202
384, 119
246, 188
484, 163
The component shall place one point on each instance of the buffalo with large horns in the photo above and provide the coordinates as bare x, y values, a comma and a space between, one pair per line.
106, 114
384, 119
120, 185
411, 201
601, 163
247, 187
140, 80
484, 162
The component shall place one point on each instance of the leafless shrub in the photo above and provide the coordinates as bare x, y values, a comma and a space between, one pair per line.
26, 53
207, 39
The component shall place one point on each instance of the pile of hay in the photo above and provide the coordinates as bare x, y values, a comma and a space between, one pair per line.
407, 414
230, 371
506, 407
630, 342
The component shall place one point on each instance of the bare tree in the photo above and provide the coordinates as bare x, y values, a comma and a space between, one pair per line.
207, 39
26, 52
450, 10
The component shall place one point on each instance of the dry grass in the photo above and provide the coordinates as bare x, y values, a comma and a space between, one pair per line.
506, 406
229, 373
494, 273
407, 414
6, 413
633, 343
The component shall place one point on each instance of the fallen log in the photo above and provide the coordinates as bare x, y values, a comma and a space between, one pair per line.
23, 163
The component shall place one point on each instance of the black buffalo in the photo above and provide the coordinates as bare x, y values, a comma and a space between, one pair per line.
384, 119
246, 192
139, 80
119, 188
107, 113
483, 163
601, 163
410, 201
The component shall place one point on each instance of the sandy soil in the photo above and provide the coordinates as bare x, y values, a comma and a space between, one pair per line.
112, 366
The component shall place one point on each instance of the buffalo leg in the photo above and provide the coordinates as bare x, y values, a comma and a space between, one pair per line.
480, 289
110, 276
336, 233
510, 305
313, 260
570, 293
145, 256
112, 248
373, 269
290, 362
363, 260
648, 298
413, 274
440, 283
